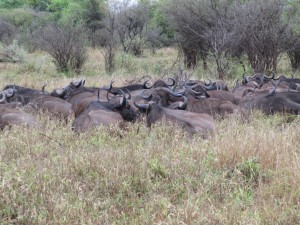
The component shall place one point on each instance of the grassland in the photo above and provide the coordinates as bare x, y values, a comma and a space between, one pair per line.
247, 172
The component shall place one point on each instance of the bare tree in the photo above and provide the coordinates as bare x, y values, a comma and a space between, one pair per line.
132, 23
65, 44
107, 38
262, 33
203, 28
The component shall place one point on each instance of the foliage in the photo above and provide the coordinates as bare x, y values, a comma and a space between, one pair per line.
19, 17
12, 53
7, 32
39, 5
132, 27
11, 4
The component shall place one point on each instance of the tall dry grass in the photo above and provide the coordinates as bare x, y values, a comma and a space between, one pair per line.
247, 172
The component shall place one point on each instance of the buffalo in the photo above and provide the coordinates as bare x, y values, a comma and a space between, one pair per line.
193, 123
97, 113
9, 116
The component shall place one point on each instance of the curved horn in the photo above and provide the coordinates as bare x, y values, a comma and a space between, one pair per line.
198, 96
245, 79
43, 88
169, 91
129, 94
140, 105
183, 105
110, 86
123, 100
210, 86
145, 96
173, 82
145, 84
269, 78
159, 83
173, 93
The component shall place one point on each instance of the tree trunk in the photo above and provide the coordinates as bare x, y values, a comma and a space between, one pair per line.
190, 57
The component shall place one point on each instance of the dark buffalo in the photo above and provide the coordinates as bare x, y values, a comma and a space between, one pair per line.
98, 113
54, 105
213, 93
25, 91
273, 102
10, 116
193, 123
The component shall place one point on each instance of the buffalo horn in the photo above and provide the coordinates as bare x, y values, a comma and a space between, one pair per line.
123, 100
145, 96
245, 79
129, 94
183, 105
140, 105
145, 85
43, 88
269, 78
210, 86
172, 81
110, 86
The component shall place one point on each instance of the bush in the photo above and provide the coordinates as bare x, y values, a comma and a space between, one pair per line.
12, 53
127, 62
7, 32
66, 45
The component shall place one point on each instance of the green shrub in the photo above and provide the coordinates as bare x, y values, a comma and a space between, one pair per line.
12, 53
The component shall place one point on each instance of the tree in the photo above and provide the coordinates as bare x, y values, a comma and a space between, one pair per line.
66, 44
95, 13
132, 23
203, 28
106, 38
7, 32
263, 33
39, 5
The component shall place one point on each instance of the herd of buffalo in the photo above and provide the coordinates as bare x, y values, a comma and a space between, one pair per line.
190, 104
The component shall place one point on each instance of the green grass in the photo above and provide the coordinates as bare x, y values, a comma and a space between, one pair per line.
246, 172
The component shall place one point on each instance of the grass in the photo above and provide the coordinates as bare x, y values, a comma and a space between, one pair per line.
247, 172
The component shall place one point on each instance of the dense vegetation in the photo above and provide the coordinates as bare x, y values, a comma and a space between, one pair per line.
255, 34
246, 172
